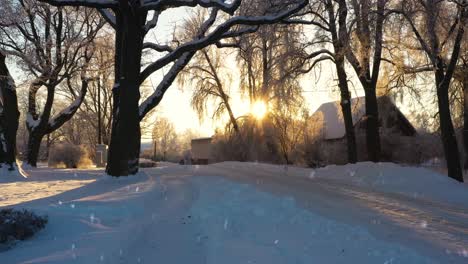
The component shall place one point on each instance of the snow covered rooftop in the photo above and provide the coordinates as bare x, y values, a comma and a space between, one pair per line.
332, 117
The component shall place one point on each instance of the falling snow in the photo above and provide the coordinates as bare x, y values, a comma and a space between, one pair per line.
423, 224
253, 215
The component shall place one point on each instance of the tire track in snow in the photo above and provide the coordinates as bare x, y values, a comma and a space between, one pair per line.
442, 226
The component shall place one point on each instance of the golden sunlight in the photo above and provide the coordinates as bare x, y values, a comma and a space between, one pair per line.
259, 109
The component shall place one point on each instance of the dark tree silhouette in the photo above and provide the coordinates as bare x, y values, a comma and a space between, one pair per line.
9, 116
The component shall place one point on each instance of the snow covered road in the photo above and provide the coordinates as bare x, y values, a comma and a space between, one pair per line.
245, 213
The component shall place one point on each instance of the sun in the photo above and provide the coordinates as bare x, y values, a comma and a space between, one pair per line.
259, 109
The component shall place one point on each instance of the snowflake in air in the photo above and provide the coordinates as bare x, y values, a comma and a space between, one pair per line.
312, 174
423, 224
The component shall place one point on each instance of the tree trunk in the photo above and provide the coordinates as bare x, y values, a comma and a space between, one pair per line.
124, 149
465, 119
220, 88
347, 112
34, 145
9, 116
372, 124
449, 139
340, 37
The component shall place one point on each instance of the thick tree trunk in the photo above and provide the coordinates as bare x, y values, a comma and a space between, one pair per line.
232, 118
124, 149
372, 124
34, 146
340, 36
9, 116
465, 119
347, 112
447, 130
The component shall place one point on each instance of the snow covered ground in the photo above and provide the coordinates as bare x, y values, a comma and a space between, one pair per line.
244, 213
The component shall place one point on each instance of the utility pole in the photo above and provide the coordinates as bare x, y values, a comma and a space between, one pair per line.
154, 149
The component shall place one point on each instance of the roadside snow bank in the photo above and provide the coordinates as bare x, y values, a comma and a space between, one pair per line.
239, 224
381, 177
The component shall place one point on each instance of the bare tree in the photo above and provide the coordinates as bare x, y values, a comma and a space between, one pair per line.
364, 53
164, 139
208, 76
205, 75
271, 62
461, 77
53, 45
290, 129
9, 116
129, 19
97, 107
436, 42
330, 18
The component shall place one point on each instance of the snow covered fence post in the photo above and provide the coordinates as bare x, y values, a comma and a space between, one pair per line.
130, 21
9, 116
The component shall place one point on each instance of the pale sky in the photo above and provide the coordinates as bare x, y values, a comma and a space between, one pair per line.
176, 102
320, 86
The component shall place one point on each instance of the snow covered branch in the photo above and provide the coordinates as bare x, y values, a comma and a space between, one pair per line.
167, 81
220, 32
153, 22
157, 47
108, 16
223, 5
67, 113
100, 4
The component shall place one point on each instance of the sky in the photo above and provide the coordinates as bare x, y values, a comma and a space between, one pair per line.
176, 102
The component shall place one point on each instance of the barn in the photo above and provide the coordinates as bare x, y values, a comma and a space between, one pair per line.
329, 127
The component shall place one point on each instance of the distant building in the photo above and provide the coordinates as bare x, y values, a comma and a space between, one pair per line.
201, 150
328, 125
330, 117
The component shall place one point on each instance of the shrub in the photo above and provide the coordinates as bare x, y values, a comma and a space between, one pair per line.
411, 150
67, 155
19, 225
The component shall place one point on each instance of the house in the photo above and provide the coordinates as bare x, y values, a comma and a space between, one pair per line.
201, 150
328, 125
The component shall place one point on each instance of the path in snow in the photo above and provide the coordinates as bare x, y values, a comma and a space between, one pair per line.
238, 213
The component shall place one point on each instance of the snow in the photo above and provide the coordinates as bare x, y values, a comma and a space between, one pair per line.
384, 177
11, 176
277, 230
243, 213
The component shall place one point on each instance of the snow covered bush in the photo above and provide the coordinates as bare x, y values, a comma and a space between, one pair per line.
19, 225
67, 155
411, 150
